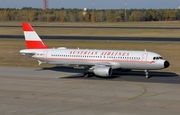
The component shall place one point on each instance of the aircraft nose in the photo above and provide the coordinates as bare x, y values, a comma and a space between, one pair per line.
166, 64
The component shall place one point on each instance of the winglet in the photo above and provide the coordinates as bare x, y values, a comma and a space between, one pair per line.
33, 41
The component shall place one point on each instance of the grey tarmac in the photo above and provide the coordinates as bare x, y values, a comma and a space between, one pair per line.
63, 91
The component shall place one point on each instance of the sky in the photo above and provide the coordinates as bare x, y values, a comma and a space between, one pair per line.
98, 4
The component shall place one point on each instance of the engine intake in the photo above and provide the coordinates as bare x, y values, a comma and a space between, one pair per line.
104, 71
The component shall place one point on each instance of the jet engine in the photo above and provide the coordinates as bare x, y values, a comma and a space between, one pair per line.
103, 71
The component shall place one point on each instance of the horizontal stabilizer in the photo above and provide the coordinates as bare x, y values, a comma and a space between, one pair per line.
40, 62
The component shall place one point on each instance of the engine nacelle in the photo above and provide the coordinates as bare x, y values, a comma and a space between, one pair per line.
103, 71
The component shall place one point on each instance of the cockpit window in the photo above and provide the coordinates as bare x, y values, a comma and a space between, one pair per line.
157, 58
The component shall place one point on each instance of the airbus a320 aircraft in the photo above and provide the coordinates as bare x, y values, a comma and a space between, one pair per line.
99, 62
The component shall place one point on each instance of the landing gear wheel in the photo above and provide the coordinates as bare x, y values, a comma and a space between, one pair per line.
86, 75
147, 74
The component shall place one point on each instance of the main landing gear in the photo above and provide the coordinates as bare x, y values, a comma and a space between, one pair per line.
87, 74
147, 74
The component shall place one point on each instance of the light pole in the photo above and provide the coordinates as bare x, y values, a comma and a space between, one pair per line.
125, 11
93, 4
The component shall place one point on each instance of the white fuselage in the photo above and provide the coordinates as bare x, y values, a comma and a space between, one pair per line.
114, 58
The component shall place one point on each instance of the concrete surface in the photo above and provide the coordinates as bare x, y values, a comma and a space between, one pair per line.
25, 91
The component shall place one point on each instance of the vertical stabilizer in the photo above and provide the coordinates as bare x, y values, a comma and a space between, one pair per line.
33, 41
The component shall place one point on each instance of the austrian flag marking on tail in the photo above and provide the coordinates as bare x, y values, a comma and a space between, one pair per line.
33, 41
27, 27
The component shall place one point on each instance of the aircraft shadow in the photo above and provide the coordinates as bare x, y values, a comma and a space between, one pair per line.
63, 69
142, 73
134, 76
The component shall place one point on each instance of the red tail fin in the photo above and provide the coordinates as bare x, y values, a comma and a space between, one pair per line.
33, 41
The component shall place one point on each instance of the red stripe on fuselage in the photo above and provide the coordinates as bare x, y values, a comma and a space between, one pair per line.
69, 59
36, 45
27, 27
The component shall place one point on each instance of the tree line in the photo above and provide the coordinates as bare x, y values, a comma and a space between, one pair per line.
78, 15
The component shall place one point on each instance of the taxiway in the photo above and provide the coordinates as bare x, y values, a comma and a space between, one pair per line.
97, 38
54, 91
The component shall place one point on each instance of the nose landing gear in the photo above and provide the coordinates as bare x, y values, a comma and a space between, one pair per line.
147, 74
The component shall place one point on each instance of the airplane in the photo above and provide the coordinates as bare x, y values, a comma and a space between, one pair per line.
99, 62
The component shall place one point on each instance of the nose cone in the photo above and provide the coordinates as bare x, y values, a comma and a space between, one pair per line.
166, 64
